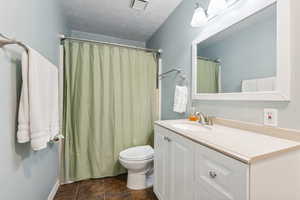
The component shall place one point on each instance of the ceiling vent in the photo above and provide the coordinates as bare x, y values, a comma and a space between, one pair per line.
139, 4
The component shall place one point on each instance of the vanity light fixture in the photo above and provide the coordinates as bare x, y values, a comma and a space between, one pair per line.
216, 7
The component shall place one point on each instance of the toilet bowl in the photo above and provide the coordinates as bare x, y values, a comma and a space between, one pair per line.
139, 163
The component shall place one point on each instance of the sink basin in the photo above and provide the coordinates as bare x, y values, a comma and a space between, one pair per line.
191, 127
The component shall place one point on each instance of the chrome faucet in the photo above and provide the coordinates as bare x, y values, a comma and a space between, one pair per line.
204, 119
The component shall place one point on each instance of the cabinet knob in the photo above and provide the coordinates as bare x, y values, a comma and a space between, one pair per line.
212, 174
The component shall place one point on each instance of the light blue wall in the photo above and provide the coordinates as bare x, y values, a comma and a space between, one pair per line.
106, 38
246, 51
25, 174
175, 37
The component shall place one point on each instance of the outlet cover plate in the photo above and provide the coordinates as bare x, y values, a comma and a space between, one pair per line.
270, 117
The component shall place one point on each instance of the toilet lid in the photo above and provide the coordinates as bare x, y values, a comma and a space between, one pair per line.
137, 153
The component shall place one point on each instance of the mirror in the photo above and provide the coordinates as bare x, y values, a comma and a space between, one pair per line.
244, 53
241, 58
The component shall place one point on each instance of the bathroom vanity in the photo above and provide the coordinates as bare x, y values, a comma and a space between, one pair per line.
195, 162
244, 54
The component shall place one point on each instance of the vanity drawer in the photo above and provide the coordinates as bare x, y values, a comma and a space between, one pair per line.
219, 177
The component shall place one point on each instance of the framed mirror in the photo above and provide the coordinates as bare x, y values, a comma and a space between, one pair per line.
244, 54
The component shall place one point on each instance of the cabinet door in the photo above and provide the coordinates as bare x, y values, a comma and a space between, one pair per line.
181, 165
219, 177
161, 162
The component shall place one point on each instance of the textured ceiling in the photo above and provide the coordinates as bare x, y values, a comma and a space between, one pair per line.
116, 18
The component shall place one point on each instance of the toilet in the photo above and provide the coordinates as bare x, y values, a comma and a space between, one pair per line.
139, 163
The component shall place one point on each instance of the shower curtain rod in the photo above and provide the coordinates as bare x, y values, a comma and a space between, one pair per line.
208, 59
163, 75
159, 51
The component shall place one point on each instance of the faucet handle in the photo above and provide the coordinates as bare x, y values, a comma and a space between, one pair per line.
210, 120
206, 118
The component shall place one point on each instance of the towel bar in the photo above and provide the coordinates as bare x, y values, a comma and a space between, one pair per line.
8, 41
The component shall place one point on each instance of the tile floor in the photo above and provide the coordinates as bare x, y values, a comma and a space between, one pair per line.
102, 189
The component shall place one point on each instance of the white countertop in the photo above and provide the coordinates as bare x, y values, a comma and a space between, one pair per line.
245, 146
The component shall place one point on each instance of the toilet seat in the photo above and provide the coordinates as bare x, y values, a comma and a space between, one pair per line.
139, 153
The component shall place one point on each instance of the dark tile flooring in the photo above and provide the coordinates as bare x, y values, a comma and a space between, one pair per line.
103, 189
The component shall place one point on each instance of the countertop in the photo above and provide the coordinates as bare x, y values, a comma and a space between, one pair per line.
245, 146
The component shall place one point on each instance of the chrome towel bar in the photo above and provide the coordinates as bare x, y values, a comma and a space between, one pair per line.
8, 41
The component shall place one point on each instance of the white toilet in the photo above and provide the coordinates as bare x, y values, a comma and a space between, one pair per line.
139, 163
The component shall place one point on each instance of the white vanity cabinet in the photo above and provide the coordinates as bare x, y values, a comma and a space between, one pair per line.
195, 166
173, 166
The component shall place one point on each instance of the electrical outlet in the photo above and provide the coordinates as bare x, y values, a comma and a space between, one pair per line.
270, 117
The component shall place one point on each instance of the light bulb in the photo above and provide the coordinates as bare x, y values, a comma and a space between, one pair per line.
199, 17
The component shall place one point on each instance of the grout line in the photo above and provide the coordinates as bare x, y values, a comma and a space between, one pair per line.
77, 191
104, 193
103, 184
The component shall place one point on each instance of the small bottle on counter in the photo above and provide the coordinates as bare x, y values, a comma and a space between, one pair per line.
192, 115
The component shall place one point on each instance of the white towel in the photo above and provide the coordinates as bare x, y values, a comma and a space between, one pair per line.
266, 84
38, 109
249, 85
180, 99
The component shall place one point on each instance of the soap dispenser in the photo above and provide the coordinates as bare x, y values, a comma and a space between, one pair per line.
192, 115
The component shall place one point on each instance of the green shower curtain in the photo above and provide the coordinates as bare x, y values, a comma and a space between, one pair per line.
110, 104
207, 76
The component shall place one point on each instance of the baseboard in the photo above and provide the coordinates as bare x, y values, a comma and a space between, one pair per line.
53, 191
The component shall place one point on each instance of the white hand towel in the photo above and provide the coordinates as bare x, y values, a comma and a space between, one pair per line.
38, 109
266, 84
23, 117
249, 85
180, 99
